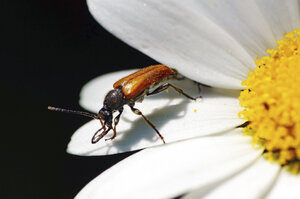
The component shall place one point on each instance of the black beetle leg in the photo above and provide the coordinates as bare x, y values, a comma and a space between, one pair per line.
138, 112
116, 121
166, 86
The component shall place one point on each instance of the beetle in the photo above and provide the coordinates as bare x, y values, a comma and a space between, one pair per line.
128, 90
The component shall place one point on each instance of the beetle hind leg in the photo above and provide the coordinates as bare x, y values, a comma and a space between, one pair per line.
138, 112
166, 86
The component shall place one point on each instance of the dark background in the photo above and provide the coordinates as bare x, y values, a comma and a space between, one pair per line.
49, 49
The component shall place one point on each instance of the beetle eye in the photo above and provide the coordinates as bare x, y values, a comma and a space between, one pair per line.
101, 114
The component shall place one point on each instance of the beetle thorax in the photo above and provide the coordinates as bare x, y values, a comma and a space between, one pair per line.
114, 100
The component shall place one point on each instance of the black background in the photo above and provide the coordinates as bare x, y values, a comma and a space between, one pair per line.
49, 50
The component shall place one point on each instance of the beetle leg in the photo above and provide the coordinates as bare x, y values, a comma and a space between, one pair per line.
166, 86
104, 128
116, 121
199, 86
138, 112
97, 137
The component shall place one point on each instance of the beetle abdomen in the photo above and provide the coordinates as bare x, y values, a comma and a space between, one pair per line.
134, 84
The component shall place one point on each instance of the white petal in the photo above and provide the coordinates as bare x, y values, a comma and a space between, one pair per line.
171, 170
176, 117
282, 16
253, 182
183, 34
287, 186
254, 24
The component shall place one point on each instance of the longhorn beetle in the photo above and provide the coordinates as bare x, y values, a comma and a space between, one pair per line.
128, 90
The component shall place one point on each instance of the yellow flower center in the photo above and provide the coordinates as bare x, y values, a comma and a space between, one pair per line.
271, 102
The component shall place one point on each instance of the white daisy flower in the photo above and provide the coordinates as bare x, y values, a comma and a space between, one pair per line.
216, 43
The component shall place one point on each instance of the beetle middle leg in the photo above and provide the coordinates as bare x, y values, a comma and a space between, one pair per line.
166, 86
138, 112
116, 121
179, 77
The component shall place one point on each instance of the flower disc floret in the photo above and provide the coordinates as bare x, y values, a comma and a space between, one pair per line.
271, 102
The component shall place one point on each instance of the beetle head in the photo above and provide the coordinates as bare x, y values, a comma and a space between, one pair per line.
105, 114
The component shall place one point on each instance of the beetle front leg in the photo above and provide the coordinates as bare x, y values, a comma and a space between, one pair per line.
138, 112
166, 86
116, 121
97, 136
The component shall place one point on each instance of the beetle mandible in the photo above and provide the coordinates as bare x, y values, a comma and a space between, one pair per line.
128, 90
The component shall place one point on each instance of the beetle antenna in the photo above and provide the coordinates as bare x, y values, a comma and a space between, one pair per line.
87, 114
